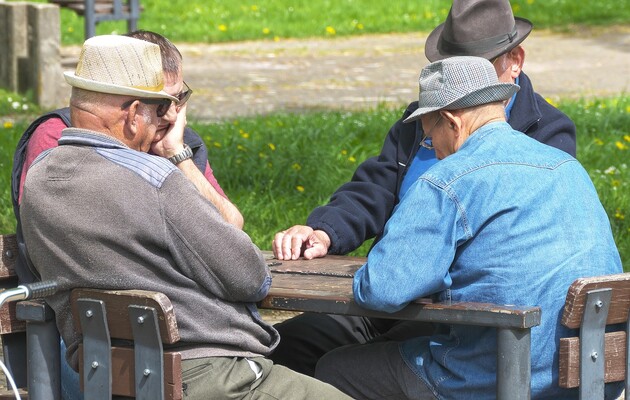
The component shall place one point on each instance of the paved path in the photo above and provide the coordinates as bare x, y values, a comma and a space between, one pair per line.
249, 78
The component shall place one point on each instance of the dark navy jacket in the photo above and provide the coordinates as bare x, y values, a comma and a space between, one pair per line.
23, 268
359, 209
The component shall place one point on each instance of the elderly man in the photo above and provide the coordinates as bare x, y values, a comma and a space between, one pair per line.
501, 219
359, 209
99, 211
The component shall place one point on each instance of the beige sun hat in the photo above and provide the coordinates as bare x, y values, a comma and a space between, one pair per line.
120, 65
459, 82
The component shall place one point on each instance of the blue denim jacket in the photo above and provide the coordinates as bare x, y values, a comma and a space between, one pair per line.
507, 220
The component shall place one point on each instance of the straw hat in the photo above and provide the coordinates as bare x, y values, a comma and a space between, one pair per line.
120, 65
459, 82
482, 28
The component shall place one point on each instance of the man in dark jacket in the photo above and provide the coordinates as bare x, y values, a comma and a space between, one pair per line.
359, 209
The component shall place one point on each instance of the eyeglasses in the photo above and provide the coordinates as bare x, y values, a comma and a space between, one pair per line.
161, 110
426, 141
183, 96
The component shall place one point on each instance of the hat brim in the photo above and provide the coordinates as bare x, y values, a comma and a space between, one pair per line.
102, 87
489, 94
433, 53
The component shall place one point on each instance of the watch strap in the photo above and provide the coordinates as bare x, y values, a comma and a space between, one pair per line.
182, 155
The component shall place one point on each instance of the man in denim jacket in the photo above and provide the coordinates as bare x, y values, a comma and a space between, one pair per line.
359, 209
501, 219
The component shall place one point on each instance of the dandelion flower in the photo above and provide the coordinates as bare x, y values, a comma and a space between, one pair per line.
626, 138
296, 166
550, 101
272, 146
621, 145
352, 159
330, 30
266, 31
223, 28
619, 215
598, 142
8, 124
217, 145
299, 188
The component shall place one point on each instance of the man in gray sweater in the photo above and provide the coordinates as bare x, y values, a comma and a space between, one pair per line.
130, 220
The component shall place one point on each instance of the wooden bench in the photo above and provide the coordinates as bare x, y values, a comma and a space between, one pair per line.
144, 371
141, 369
596, 356
96, 11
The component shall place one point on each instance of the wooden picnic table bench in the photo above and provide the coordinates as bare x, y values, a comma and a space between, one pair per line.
96, 11
324, 285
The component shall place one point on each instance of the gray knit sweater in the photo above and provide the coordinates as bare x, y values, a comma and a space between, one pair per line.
98, 214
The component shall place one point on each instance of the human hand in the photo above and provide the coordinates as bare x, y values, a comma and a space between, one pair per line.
170, 139
300, 240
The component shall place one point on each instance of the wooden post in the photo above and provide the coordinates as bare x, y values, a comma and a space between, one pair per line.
30, 38
43, 69
13, 43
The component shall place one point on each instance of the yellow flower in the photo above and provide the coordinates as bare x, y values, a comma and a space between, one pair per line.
628, 109
344, 152
223, 28
240, 147
269, 165
360, 26
598, 142
276, 38
626, 138
266, 31
516, 8
254, 8
70, 29
615, 183
330, 30
530, 2
296, 166
621, 145
352, 159
272, 146
216, 144
619, 215
550, 101
428, 14
8, 124
244, 134
299, 188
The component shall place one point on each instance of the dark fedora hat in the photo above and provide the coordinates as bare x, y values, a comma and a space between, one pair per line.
482, 28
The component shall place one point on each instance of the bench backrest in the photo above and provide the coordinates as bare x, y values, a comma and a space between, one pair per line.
596, 356
142, 371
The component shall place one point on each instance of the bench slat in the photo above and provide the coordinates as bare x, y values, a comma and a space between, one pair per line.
615, 345
123, 380
117, 301
576, 298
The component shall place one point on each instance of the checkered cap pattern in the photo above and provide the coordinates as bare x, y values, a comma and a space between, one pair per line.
459, 82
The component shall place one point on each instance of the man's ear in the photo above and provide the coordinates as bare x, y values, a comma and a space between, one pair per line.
517, 59
131, 120
452, 118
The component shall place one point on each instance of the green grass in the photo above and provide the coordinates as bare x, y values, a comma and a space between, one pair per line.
277, 168
228, 20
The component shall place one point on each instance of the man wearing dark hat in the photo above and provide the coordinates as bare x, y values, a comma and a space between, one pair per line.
359, 209
491, 220
98, 211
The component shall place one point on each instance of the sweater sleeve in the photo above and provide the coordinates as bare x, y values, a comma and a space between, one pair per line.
213, 253
358, 210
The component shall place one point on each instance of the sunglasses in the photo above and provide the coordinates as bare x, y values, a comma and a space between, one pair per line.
183, 96
162, 105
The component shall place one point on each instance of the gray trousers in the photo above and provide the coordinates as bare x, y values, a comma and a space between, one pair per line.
372, 371
232, 378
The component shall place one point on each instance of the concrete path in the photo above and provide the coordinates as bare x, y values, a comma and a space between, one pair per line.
249, 78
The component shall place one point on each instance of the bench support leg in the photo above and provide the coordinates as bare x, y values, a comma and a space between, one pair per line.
514, 364
97, 355
149, 361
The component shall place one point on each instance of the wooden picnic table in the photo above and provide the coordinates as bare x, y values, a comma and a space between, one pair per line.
324, 285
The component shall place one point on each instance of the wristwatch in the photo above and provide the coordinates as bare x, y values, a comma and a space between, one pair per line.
181, 156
